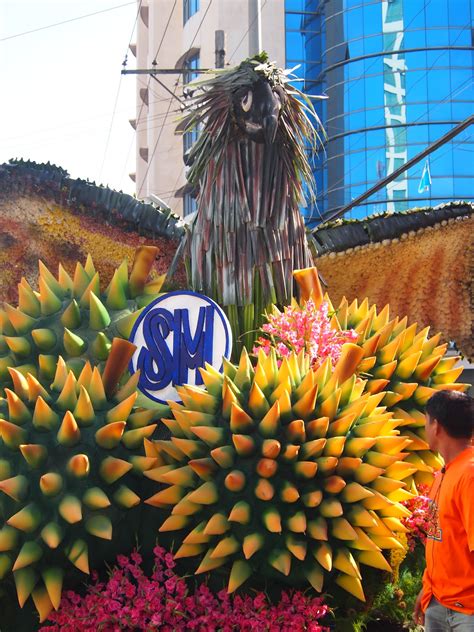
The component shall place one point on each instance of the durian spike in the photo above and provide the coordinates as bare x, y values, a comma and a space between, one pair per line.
100, 527
81, 280
15, 487
309, 284
227, 546
46, 275
93, 287
69, 433
213, 436
53, 581
239, 573
70, 509
235, 481
318, 529
25, 581
52, 535
51, 483
269, 425
19, 345
129, 388
272, 520
44, 416
351, 355
111, 469
240, 421
204, 468
8, 538
100, 347
281, 561
61, 375
27, 519
208, 563
71, 317
315, 576
240, 513
289, 493
89, 266
79, 465
96, 390
73, 344
304, 407
64, 279
29, 553
142, 264
78, 554
223, 456
120, 355
323, 554
345, 562
116, 295
49, 302
244, 444
95, 498
251, 544
12, 435
197, 536
99, 317
154, 287
126, 498
20, 383
375, 559
22, 323
5, 564
27, 300
18, 412
174, 523
35, 389
245, 370
205, 494
189, 550
122, 410
271, 448
109, 436
84, 411
264, 490
212, 380
67, 399
352, 585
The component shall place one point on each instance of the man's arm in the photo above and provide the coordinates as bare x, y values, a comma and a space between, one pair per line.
418, 614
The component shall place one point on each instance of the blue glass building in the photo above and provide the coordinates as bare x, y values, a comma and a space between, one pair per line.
398, 75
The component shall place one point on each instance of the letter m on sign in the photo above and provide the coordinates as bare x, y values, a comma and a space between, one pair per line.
192, 351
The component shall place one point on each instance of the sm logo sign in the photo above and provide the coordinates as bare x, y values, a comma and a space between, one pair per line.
175, 335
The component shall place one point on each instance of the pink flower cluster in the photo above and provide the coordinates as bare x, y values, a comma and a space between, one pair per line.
305, 328
418, 523
130, 600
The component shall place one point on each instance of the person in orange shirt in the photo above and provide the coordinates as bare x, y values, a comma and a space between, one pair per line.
446, 600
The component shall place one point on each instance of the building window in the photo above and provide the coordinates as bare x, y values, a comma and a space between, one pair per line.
189, 204
190, 7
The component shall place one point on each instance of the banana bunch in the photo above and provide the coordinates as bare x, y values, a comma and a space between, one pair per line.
71, 461
72, 317
283, 472
397, 359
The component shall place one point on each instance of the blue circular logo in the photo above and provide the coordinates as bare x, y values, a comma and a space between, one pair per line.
175, 335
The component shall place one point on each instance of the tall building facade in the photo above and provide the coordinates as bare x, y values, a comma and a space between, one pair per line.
397, 74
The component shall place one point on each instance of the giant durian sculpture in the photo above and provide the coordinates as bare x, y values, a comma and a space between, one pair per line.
71, 461
72, 317
397, 359
284, 472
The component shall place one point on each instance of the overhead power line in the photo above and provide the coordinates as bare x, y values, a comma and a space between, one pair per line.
79, 17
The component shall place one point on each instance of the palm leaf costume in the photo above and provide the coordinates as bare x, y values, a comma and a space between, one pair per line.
250, 164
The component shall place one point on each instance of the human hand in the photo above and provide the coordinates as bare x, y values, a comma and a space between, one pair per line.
418, 614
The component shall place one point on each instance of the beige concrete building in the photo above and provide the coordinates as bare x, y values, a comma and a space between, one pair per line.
181, 36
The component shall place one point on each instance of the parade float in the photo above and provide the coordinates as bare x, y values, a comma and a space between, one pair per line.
273, 484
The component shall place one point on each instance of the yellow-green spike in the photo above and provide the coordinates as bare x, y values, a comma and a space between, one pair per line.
375, 559
244, 444
257, 402
101, 346
116, 294
53, 581
235, 481
68, 433
89, 266
239, 573
141, 418
331, 508
297, 522
351, 584
29, 553
264, 490
251, 544
189, 550
223, 456
44, 417
60, 376
342, 529
129, 388
51, 483
204, 468
5, 564
27, 299
99, 317
142, 265
318, 528
20, 383
18, 412
209, 564
73, 344
272, 520
205, 494
49, 302
304, 407
317, 428
5, 469
240, 421
15, 487
27, 519
126, 498
70, 509
100, 527
81, 280
52, 535
35, 389
269, 425
67, 399
227, 546
25, 581
288, 492
19, 345
8, 538
197, 535
315, 576
295, 431
93, 287
64, 280
179, 476
213, 436
305, 469
12, 435
212, 380
46, 275
109, 436
21, 322
78, 554
95, 498
71, 317
323, 554
84, 412
79, 465
111, 469
174, 523
122, 410
281, 561
97, 391
240, 512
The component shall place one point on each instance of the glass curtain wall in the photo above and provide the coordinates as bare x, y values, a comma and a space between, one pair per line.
398, 75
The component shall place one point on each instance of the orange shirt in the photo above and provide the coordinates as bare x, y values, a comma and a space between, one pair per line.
449, 550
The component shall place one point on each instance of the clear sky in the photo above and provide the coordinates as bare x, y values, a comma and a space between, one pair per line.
58, 87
